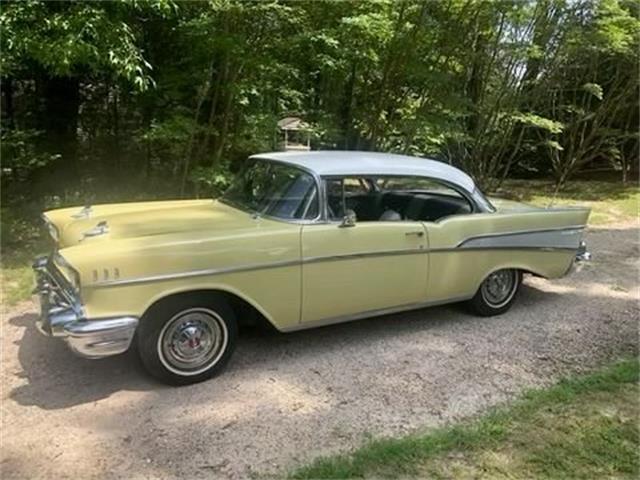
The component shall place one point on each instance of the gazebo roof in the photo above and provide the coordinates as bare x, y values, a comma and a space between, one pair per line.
293, 123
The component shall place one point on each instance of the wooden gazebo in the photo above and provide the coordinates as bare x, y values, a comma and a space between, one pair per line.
295, 134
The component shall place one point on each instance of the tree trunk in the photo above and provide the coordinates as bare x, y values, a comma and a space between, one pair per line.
116, 129
9, 111
474, 83
222, 138
347, 105
204, 91
60, 122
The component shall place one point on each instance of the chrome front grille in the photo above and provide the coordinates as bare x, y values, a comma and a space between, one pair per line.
62, 315
56, 294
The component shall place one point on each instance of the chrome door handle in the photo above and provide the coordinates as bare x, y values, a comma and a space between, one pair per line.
419, 233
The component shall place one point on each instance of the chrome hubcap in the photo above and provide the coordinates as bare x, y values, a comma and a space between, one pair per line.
192, 341
499, 287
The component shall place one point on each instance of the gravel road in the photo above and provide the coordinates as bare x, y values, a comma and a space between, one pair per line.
285, 399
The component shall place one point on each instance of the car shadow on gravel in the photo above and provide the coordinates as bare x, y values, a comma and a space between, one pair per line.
59, 379
271, 351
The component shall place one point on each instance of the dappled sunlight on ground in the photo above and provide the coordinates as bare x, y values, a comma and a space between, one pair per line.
590, 290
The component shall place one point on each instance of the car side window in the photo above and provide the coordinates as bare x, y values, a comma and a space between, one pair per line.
356, 186
389, 199
359, 195
421, 199
335, 208
310, 206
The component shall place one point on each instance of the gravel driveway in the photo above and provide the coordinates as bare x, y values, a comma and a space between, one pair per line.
287, 398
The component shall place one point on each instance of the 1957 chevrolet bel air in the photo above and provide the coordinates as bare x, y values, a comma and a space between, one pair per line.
300, 240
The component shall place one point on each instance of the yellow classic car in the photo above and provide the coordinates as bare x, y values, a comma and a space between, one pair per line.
300, 240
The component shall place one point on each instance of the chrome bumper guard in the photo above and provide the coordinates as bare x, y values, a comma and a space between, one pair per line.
582, 255
61, 315
581, 259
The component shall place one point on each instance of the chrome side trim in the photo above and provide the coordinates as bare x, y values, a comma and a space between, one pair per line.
353, 256
464, 245
557, 238
490, 248
549, 209
255, 266
196, 273
520, 232
311, 260
372, 313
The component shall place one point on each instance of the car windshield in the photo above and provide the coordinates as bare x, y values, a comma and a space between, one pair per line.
274, 189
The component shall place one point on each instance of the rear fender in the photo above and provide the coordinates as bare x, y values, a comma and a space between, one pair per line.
464, 249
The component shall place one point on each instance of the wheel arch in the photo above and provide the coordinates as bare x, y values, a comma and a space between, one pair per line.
520, 268
247, 311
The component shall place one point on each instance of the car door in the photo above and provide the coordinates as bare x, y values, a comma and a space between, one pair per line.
363, 268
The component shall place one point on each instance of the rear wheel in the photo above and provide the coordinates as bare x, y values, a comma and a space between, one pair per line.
187, 339
496, 293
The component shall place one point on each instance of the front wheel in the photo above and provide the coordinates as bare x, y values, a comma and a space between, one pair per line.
496, 293
187, 339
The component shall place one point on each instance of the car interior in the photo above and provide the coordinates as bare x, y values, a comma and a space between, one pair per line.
390, 200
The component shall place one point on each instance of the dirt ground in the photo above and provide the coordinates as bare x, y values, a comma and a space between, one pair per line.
286, 399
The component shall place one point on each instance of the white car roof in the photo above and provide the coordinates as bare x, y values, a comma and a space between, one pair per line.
342, 163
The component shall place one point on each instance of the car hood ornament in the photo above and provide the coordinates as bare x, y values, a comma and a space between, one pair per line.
84, 213
100, 229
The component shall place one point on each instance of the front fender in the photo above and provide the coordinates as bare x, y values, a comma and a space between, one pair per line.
280, 306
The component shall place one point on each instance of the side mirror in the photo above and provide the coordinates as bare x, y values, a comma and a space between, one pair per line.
349, 219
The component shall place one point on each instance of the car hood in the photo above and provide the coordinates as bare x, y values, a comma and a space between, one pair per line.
142, 220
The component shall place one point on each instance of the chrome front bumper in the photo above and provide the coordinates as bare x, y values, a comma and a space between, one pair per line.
61, 315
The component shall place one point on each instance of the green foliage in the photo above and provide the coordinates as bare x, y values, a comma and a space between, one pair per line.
211, 181
19, 155
594, 89
22, 240
170, 96
533, 120
595, 102
64, 38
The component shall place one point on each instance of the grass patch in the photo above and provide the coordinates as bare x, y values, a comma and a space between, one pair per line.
23, 238
610, 202
17, 284
583, 427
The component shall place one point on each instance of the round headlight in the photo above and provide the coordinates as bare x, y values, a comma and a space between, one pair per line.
72, 275
53, 231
